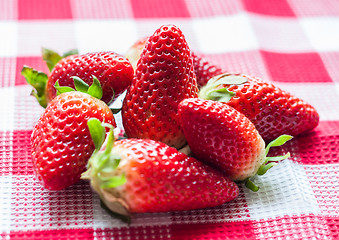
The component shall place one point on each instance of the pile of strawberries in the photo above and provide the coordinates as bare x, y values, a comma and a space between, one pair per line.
192, 130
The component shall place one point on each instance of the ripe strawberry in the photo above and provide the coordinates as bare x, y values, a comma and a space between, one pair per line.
61, 142
114, 72
203, 69
164, 76
273, 111
143, 175
219, 134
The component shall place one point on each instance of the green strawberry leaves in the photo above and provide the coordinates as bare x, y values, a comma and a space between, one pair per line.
103, 163
279, 141
38, 81
97, 132
212, 90
269, 161
94, 90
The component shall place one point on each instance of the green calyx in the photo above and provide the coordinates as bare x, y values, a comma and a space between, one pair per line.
52, 58
103, 163
212, 90
269, 161
38, 81
94, 90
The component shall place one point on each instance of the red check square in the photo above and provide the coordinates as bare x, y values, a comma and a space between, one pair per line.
81, 233
34, 62
296, 67
22, 160
333, 225
320, 147
223, 230
133, 232
159, 9
272, 7
44, 9
5, 153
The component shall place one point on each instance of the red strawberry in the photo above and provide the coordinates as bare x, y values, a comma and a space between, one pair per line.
164, 76
114, 72
273, 111
143, 175
61, 142
203, 69
219, 134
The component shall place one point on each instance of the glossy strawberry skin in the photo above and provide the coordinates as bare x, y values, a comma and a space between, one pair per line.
204, 70
113, 71
164, 76
161, 179
220, 135
272, 110
61, 143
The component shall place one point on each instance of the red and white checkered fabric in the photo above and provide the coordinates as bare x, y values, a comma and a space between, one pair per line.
293, 43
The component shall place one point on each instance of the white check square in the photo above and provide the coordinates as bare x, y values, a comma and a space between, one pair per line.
105, 35
5, 202
225, 34
284, 190
322, 32
9, 38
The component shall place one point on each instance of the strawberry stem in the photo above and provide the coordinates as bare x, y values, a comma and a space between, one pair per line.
279, 141
38, 81
103, 163
269, 161
250, 185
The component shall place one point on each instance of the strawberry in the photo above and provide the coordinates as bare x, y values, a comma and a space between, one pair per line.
114, 72
273, 111
203, 69
164, 76
61, 142
218, 134
143, 175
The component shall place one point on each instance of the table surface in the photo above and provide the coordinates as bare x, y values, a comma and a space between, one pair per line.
293, 43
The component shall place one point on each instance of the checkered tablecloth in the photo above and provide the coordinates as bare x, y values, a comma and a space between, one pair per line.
293, 43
